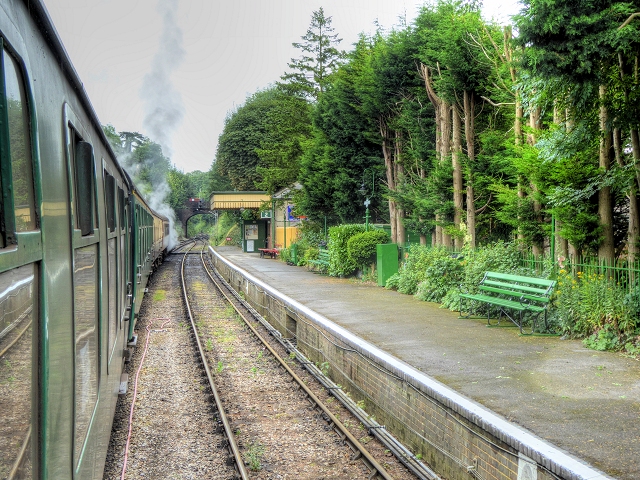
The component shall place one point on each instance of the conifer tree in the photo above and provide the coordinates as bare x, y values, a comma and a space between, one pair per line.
320, 58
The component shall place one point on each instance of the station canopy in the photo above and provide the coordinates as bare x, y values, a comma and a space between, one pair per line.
238, 200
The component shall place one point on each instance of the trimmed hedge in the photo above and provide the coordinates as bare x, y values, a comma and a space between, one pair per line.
361, 247
340, 263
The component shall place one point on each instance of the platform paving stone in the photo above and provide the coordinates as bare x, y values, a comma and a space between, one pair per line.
583, 401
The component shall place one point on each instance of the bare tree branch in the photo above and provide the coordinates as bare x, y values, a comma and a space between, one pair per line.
628, 20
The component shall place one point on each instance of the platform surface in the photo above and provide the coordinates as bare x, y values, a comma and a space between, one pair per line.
583, 401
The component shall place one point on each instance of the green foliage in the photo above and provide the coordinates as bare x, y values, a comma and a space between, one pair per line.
310, 238
282, 144
253, 456
344, 145
217, 181
436, 274
262, 141
443, 274
228, 226
417, 259
593, 307
340, 263
201, 224
361, 247
320, 58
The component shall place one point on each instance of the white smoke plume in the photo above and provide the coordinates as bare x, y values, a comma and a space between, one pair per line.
163, 104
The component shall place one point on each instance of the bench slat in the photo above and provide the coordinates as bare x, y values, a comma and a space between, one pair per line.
513, 292
519, 278
521, 288
503, 302
323, 259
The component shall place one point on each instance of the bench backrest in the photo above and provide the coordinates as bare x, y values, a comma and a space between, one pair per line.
533, 289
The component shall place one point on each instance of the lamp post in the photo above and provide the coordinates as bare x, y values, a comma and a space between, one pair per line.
363, 191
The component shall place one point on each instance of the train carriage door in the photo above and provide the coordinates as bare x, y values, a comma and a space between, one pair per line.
20, 259
122, 256
81, 171
112, 261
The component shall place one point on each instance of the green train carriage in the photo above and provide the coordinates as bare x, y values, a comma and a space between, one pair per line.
77, 245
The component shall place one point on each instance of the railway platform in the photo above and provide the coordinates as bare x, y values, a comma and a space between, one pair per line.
582, 401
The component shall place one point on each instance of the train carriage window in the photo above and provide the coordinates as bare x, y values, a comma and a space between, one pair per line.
85, 190
85, 281
17, 309
110, 200
121, 206
18, 202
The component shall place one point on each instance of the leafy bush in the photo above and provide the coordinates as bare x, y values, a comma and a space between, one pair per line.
310, 253
418, 260
227, 227
393, 281
498, 257
310, 237
284, 255
593, 307
361, 247
588, 306
443, 274
340, 263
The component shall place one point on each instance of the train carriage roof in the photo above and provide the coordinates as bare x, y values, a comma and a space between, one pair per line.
41, 16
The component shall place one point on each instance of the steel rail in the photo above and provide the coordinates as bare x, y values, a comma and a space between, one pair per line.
15, 340
233, 446
356, 446
18, 462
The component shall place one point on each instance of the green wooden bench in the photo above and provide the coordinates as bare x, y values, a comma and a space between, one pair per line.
514, 295
322, 262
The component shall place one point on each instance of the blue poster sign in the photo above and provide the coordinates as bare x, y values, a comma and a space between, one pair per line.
290, 216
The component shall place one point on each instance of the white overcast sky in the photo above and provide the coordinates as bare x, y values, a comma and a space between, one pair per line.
231, 49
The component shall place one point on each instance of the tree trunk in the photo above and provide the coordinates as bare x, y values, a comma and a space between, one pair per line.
534, 124
633, 238
398, 171
443, 142
635, 145
388, 163
438, 112
605, 205
445, 151
469, 133
562, 245
458, 182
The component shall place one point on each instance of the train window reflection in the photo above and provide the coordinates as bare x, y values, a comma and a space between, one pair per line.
110, 203
113, 308
19, 146
86, 340
17, 297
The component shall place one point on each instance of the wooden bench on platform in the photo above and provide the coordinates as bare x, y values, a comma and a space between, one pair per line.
322, 262
514, 295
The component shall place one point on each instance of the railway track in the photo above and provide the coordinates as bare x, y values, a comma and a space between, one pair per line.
246, 408
273, 380
315, 375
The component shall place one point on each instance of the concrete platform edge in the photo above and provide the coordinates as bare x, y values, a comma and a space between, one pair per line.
542, 452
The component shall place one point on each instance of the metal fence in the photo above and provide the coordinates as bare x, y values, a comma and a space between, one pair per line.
621, 271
